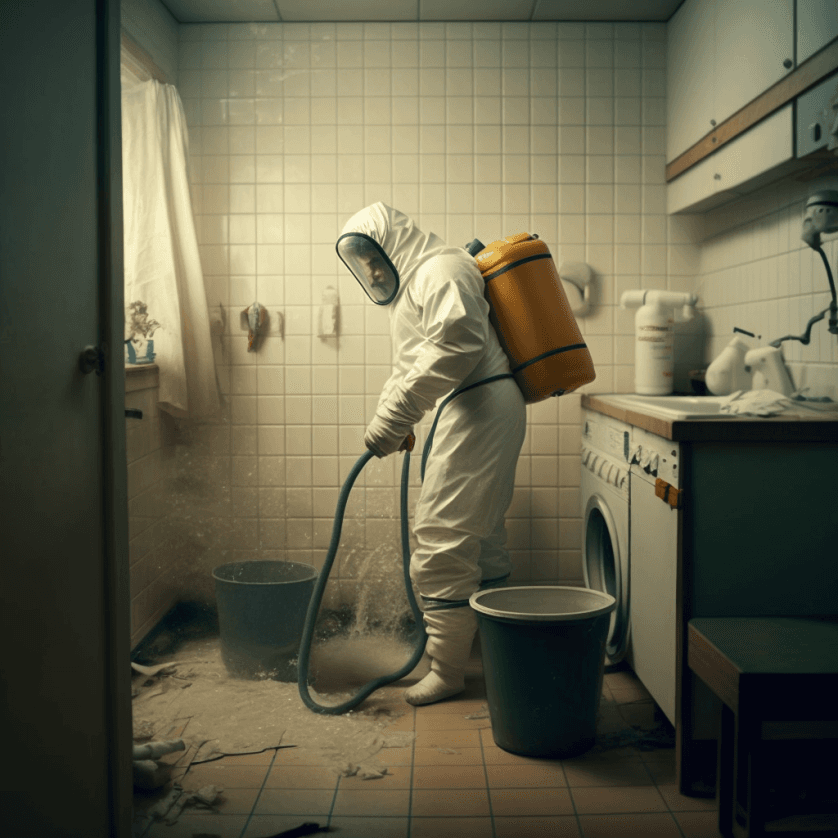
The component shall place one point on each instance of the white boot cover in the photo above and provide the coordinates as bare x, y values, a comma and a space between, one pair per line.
450, 635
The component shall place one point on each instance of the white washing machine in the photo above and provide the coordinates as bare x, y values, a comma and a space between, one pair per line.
605, 521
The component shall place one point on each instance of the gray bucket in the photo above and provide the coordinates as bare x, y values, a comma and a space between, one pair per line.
543, 650
261, 610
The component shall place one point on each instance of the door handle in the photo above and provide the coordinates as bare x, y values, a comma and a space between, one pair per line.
92, 359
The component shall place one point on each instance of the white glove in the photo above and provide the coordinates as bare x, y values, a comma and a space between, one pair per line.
383, 438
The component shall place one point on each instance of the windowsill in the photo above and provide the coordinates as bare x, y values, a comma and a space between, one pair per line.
141, 377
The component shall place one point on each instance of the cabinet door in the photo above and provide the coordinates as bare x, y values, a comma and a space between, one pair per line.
817, 25
757, 152
753, 39
690, 55
652, 592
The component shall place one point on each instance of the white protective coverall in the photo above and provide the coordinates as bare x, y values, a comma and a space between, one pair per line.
443, 341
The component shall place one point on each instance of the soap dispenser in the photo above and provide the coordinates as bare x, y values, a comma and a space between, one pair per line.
654, 328
728, 373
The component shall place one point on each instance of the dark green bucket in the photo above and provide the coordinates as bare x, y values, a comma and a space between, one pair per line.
543, 650
261, 610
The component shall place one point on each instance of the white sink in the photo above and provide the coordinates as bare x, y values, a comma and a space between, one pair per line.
674, 407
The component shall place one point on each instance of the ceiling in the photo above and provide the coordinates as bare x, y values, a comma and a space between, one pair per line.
247, 11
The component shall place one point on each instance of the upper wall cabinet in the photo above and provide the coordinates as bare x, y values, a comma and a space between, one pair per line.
817, 25
721, 54
737, 72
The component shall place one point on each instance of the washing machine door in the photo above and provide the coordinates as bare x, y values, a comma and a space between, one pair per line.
605, 563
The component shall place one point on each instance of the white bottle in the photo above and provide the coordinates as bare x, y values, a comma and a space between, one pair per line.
654, 327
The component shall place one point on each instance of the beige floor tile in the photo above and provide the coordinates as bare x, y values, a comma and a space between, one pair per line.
314, 803
265, 758
445, 827
530, 802
363, 827
629, 826
660, 765
526, 776
235, 801
493, 755
614, 773
449, 777
627, 691
448, 739
460, 704
226, 776
448, 721
372, 803
398, 777
406, 722
628, 799
621, 680
261, 825
639, 713
678, 802
562, 826
395, 756
448, 756
698, 824
188, 825
450, 803
301, 777
301, 756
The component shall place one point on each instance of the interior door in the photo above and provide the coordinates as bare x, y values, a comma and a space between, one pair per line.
65, 697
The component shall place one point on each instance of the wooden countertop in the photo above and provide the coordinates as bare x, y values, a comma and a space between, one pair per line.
796, 428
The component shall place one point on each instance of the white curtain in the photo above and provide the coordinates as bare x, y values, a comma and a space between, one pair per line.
162, 264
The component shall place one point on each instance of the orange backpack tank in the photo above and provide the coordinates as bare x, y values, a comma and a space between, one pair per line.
532, 317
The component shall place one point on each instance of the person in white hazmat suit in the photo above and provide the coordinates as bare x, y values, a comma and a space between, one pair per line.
442, 342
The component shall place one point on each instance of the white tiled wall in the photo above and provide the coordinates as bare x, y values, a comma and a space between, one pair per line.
476, 129
757, 274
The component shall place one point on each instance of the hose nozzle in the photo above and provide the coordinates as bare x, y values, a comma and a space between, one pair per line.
409, 442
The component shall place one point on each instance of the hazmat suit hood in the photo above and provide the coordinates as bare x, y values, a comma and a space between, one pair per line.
404, 246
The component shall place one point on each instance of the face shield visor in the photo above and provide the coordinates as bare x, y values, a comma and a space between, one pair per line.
370, 265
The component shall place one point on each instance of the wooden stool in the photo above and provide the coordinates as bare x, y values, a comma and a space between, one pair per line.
777, 678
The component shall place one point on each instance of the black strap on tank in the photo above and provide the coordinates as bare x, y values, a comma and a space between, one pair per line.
512, 265
437, 604
430, 439
544, 355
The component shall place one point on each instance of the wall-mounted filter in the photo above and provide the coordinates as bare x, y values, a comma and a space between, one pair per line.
654, 323
576, 279
328, 314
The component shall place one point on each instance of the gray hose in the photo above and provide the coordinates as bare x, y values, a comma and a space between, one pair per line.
320, 587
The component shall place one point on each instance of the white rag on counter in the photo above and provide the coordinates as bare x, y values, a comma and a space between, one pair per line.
771, 403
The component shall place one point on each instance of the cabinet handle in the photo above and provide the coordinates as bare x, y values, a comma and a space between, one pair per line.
788, 64
713, 122
815, 129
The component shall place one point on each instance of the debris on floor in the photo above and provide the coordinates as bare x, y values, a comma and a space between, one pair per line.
228, 716
644, 739
168, 810
148, 774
